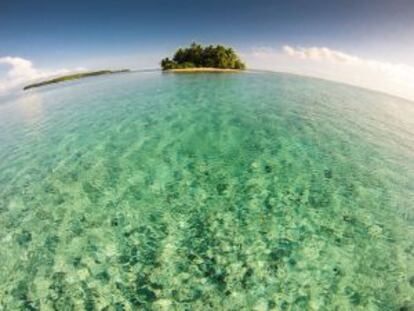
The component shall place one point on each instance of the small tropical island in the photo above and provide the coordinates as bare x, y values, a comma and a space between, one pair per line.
197, 58
74, 76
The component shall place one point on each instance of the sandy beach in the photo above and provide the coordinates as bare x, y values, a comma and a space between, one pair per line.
202, 69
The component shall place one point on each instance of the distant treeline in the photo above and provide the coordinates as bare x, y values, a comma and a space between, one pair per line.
198, 56
74, 76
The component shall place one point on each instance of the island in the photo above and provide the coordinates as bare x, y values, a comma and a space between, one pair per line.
74, 76
197, 58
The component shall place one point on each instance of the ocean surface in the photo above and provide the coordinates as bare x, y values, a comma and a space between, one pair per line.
254, 191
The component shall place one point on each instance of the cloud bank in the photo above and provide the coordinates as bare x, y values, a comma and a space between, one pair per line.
322, 62
319, 54
20, 71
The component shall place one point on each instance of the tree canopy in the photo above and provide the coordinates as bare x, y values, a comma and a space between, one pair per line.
198, 56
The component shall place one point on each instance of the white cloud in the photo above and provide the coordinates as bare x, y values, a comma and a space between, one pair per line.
322, 62
19, 67
20, 71
320, 54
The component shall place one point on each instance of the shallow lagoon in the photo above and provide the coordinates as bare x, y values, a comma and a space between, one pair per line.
256, 191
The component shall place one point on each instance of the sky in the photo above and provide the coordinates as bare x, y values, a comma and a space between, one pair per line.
369, 43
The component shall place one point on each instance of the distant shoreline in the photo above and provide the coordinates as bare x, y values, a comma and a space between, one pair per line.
202, 69
75, 76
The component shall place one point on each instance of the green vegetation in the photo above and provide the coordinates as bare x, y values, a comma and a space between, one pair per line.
74, 77
197, 56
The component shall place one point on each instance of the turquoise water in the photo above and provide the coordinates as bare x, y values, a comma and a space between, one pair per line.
256, 191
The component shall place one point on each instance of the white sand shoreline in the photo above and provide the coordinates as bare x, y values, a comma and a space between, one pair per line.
202, 69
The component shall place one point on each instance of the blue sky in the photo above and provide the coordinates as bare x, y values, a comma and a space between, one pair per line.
95, 34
